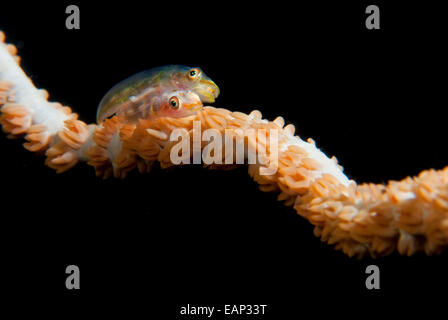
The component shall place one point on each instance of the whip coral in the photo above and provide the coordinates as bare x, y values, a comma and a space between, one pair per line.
360, 219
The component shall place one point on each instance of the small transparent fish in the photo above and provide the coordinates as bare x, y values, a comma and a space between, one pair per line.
174, 104
172, 90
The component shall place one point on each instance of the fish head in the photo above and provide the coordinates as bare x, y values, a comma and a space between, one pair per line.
196, 80
177, 104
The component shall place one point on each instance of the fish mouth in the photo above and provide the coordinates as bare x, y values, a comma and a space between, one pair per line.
193, 107
207, 90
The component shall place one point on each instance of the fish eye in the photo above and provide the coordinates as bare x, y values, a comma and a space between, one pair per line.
194, 73
174, 103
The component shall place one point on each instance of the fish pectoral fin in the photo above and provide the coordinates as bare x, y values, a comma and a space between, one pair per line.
105, 112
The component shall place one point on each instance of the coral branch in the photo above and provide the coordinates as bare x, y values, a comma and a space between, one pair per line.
409, 215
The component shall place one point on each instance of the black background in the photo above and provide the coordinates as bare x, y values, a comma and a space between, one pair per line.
151, 243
